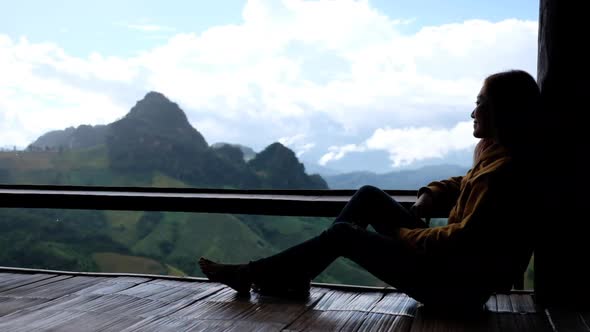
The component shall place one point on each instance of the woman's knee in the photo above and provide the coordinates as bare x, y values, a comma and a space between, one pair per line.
370, 191
373, 196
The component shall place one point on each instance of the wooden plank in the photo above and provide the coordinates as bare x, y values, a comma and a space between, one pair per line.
486, 321
492, 304
522, 322
503, 303
512, 303
338, 310
503, 312
396, 303
25, 289
386, 322
224, 305
225, 310
9, 305
586, 317
175, 324
523, 303
317, 320
427, 319
338, 300
393, 312
137, 300
567, 320
275, 313
112, 286
15, 285
37, 295
86, 295
104, 306
28, 297
78, 303
516, 312
54, 320
260, 202
53, 288
173, 291
9, 281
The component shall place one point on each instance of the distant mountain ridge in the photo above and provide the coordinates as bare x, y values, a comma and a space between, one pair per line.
83, 136
277, 160
156, 136
248, 153
403, 180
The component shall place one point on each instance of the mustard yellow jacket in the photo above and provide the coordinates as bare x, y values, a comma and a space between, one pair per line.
489, 230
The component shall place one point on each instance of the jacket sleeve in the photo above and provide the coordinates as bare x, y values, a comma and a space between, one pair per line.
478, 209
444, 194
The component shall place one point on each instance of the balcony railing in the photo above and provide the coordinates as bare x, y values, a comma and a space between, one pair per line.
308, 203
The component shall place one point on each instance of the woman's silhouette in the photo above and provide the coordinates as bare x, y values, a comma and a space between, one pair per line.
485, 246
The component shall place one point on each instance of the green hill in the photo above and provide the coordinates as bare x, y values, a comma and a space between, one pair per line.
154, 146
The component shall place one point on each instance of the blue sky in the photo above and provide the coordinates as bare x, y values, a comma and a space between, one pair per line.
340, 82
86, 26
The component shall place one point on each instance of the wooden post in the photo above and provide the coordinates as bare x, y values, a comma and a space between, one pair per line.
562, 254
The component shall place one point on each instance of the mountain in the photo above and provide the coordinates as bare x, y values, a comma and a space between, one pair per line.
408, 179
156, 136
247, 152
275, 161
157, 117
83, 136
154, 145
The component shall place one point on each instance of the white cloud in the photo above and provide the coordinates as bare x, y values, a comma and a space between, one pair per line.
304, 148
298, 143
338, 152
412, 144
291, 140
286, 61
408, 145
31, 103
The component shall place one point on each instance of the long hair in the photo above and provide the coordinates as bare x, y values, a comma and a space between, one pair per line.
519, 122
515, 101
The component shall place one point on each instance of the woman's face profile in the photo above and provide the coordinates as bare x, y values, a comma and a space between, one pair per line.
482, 116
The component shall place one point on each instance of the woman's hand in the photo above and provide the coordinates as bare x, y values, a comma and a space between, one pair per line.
423, 206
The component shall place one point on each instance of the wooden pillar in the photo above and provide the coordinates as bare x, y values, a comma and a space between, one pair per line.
562, 255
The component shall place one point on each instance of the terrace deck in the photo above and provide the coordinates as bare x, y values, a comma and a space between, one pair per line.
37, 300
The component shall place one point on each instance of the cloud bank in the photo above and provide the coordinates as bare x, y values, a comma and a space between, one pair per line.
273, 74
408, 145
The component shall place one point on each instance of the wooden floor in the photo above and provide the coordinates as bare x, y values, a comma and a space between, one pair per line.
42, 301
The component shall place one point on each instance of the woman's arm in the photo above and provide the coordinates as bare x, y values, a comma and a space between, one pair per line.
484, 213
438, 197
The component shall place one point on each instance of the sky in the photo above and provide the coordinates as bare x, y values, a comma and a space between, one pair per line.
348, 85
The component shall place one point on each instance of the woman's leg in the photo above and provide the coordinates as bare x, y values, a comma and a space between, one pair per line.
347, 237
372, 206
383, 256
